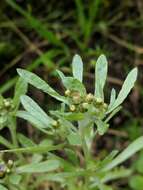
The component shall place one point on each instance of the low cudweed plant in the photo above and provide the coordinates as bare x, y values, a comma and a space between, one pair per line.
64, 159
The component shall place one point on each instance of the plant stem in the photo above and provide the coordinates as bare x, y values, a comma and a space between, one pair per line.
12, 128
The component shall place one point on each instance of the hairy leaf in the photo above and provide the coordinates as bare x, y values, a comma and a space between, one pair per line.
34, 109
35, 149
77, 67
127, 153
72, 83
25, 141
20, 89
126, 88
100, 76
32, 119
112, 98
37, 82
46, 166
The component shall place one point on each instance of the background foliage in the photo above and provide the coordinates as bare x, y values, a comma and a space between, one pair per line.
44, 36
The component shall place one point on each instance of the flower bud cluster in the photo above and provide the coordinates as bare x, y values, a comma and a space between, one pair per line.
83, 103
5, 168
6, 106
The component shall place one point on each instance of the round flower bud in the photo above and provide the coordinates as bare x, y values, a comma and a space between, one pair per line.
67, 92
72, 108
55, 123
105, 106
6, 103
89, 97
85, 105
10, 164
76, 99
8, 170
99, 100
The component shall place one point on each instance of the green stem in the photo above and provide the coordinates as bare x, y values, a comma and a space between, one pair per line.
12, 128
84, 145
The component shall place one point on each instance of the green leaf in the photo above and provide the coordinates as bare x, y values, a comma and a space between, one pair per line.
112, 98
62, 176
77, 67
100, 76
37, 82
20, 89
102, 127
33, 108
108, 158
89, 134
15, 179
105, 187
26, 142
5, 142
46, 166
36, 158
67, 126
52, 177
66, 165
35, 149
72, 83
136, 182
114, 112
32, 119
115, 174
126, 88
72, 157
2, 187
69, 116
74, 138
127, 153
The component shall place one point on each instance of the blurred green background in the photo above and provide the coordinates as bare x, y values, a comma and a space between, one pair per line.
42, 36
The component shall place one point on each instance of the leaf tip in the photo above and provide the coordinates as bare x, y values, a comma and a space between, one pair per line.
20, 72
76, 59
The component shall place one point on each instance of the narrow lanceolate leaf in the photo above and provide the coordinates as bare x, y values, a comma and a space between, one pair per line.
20, 89
72, 83
102, 127
127, 153
77, 67
46, 166
112, 98
100, 76
37, 82
108, 158
25, 141
35, 149
32, 119
126, 88
5, 142
34, 109
114, 112
115, 174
